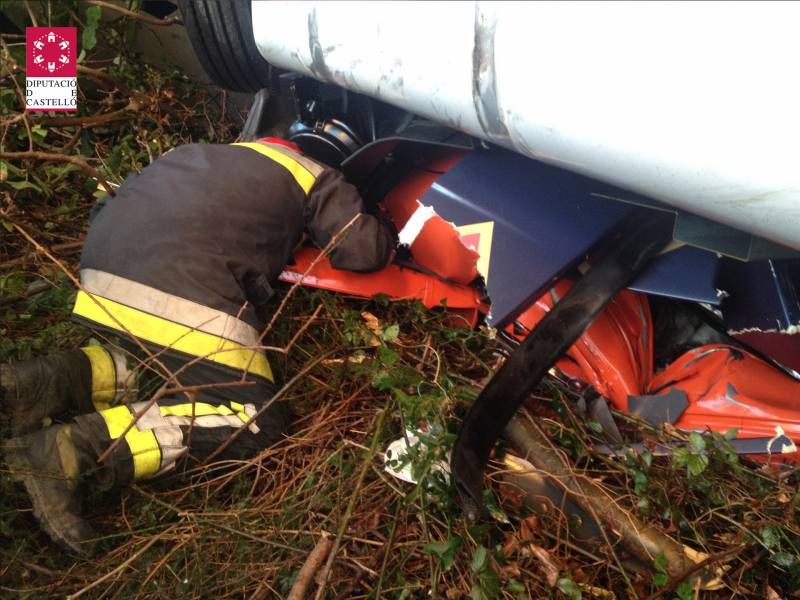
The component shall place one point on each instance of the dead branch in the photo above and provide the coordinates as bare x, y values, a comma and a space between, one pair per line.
310, 568
93, 120
51, 157
323, 575
713, 559
144, 18
641, 539
67, 247
325, 252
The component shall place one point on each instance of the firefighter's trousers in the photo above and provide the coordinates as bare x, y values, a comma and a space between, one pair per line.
117, 386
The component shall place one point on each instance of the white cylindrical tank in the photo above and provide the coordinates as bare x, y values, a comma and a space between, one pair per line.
696, 104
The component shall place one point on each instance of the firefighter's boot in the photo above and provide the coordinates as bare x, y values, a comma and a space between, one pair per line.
50, 464
34, 390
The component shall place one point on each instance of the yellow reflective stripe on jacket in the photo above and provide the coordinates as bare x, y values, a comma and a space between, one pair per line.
142, 444
201, 409
104, 377
301, 175
168, 306
170, 335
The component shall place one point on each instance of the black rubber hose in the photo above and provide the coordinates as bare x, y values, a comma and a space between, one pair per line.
639, 238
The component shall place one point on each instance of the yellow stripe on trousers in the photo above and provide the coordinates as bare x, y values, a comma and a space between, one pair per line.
170, 334
142, 444
202, 409
301, 175
104, 377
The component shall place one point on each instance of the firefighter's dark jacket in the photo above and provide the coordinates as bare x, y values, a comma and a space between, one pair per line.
196, 238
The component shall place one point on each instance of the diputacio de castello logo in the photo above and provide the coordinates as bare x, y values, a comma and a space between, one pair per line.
51, 68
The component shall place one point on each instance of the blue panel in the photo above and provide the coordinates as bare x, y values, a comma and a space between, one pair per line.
764, 295
545, 221
686, 273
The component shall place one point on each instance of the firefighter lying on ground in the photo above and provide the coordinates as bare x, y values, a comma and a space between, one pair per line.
175, 272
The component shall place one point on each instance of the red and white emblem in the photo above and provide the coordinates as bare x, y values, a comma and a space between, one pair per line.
51, 70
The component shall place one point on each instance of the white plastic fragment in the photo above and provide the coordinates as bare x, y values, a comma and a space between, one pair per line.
398, 464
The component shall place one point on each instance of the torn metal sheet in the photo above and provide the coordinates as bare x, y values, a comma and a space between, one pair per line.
660, 409
614, 355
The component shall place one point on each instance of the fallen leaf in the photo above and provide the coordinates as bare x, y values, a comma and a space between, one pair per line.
511, 545
549, 567
771, 594
597, 592
355, 359
528, 528
374, 325
510, 571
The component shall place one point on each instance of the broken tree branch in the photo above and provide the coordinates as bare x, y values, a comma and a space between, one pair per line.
641, 539
144, 18
52, 157
92, 120
310, 568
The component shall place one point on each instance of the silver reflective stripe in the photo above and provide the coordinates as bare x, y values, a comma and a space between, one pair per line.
153, 419
127, 388
167, 306
309, 165
211, 421
170, 442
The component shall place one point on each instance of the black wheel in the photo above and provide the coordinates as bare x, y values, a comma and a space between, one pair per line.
221, 32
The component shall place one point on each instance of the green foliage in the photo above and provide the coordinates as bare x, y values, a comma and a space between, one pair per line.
89, 35
694, 457
660, 575
569, 588
485, 580
445, 551
684, 591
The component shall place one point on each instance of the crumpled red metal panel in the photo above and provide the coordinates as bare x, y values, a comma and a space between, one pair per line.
614, 355
395, 281
728, 387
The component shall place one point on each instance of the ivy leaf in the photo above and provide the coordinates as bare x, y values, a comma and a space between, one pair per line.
697, 441
477, 593
24, 185
390, 333
771, 537
89, 36
696, 464
595, 426
446, 551
569, 588
639, 482
680, 456
480, 559
784, 559
685, 591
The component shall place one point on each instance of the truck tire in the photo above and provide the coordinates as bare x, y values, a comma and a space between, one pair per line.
221, 33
